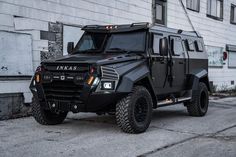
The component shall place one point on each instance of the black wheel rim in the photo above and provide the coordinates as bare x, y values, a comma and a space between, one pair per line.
141, 109
203, 100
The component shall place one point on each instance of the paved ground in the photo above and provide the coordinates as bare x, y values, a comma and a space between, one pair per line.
171, 133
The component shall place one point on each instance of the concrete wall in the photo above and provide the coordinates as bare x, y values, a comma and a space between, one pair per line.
215, 33
44, 19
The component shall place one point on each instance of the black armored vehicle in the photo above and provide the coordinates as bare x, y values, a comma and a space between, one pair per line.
126, 70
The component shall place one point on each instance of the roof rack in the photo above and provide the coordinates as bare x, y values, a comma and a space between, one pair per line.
140, 24
177, 31
91, 26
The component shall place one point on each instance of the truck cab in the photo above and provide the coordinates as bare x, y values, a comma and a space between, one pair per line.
126, 70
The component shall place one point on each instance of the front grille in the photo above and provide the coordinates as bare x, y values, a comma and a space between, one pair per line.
66, 91
109, 73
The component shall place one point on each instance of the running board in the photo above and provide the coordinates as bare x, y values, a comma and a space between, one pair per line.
172, 101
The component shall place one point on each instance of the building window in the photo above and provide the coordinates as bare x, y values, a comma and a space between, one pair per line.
160, 12
232, 55
193, 5
233, 14
215, 9
215, 56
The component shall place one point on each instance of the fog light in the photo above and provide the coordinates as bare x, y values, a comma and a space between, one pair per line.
53, 105
47, 77
107, 85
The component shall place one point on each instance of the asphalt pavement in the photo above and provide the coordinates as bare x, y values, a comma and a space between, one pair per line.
172, 133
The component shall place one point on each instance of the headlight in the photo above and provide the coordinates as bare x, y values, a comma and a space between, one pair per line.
107, 85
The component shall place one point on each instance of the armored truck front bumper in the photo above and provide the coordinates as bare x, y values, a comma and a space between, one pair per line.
74, 91
70, 98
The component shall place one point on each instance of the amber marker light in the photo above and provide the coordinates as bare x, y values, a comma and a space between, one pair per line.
37, 78
90, 80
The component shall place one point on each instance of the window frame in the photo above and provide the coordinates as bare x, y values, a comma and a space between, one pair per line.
163, 3
173, 39
198, 7
153, 38
188, 44
231, 49
232, 13
215, 59
197, 44
209, 2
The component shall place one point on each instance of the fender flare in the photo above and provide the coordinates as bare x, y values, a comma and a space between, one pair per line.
139, 75
199, 76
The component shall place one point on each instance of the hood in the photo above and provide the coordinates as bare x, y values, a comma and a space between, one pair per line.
99, 59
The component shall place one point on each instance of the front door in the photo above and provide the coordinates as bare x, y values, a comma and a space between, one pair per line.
179, 62
168, 72
159, 67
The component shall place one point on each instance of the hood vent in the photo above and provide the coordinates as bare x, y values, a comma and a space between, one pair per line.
109, 73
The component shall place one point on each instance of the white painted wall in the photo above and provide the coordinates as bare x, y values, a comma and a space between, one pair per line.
215, 33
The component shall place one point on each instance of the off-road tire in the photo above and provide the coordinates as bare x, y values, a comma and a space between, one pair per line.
46, 117
199, 104
126, 115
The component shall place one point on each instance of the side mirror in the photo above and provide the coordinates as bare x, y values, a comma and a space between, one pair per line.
163, 46
70, 47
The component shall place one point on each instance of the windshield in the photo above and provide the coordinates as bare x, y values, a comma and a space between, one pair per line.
134, 41
115, 42
90, 41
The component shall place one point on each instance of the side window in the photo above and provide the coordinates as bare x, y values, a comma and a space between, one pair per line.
156, 43
198, 46
189, 43
176, 45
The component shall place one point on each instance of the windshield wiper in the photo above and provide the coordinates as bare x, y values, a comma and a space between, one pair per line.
116, 50
119, 50
85, 51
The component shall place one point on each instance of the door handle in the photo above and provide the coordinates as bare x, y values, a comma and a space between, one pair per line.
163, 62
181, 62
